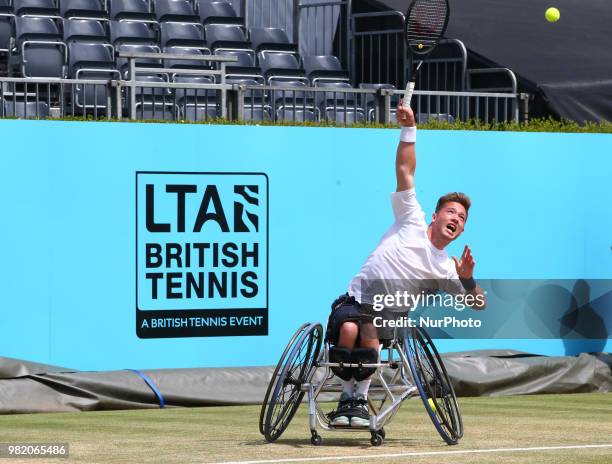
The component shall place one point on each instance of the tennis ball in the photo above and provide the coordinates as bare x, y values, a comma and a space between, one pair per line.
420, 46
552, 15
432, 405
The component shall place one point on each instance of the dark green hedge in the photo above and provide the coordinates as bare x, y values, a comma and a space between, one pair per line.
535, 125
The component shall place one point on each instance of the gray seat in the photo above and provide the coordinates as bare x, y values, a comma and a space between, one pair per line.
88, 30
296, 114
184, 63
6, 31
156, 110
257, 114
324, 67
182, 34
91, 61
132, 32
217, 13
24, 109
203, 97
332, 98
175, 10
346, 116
271, 39
35, 7
290, 97
83, 9
39, 50
226, 37
196, 113
368, 100
244, 67
122, 63
135, 10
280, 66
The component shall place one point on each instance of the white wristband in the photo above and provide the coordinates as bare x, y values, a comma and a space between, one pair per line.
408, 134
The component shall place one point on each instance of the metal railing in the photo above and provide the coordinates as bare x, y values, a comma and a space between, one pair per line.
138, 100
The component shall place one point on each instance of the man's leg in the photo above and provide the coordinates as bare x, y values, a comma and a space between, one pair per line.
368, 339
347, 338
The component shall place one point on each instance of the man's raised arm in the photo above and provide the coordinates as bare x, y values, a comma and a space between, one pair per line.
405, 161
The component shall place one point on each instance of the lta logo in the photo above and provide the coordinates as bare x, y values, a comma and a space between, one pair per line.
202, 254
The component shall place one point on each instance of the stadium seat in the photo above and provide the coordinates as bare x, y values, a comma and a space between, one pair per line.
280, 66
83, 9
195, 113
165, 111
423, 118
89, 30
35, 7
183, 35
6, 26
368, 100
123, 63
91, 61
296, 114
132, 32
226, 37
251, 96
346, 116
218, 13
271, 39
334, 98
175, 10
257, 114
203, 97
245, 67
39, 50
186, 64
25, 109
324, 67
134, 10
295, 97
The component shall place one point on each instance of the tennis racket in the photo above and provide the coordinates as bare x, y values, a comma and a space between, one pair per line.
426, 22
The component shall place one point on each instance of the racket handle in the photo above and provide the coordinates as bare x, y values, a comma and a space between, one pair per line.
408, 93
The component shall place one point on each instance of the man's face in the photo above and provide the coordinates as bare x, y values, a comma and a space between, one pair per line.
449, 222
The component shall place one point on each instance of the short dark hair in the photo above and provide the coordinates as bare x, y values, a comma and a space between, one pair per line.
457, 197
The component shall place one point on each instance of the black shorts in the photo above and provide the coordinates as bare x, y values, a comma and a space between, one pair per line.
345, 309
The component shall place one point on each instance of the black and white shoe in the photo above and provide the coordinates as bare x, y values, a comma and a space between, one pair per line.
342, 416
360, 412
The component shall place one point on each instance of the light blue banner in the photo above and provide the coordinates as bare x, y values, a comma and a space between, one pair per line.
541, 209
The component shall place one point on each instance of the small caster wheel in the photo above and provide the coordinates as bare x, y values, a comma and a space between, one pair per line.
382, 433
316, 439
377, 439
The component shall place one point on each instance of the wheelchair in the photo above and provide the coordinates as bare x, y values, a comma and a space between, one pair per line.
408, 365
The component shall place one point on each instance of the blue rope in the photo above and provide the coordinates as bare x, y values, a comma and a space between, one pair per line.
152, 386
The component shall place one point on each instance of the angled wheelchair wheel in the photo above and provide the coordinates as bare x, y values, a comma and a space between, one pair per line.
434, 385
296, 367
275, 375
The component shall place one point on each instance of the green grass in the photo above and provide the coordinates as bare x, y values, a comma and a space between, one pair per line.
217, 434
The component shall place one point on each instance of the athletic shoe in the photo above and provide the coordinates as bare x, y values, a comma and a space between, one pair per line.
360, 413
342, 416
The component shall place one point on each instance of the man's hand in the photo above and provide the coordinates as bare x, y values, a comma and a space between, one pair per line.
465, 270
404, 115
465, 266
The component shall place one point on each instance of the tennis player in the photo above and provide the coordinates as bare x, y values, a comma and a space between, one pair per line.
411, 251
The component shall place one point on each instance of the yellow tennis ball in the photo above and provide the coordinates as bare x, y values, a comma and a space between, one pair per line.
552, 15
432, 405
420, 46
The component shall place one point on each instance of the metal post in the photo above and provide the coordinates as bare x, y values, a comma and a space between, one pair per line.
524, 98
244, 11
223, 93
132, 67
383, 106
349, 41
236, 102
296, 24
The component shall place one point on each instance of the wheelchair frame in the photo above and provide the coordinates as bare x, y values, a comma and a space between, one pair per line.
305, 369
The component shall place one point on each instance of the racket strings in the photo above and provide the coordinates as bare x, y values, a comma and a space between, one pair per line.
426, 23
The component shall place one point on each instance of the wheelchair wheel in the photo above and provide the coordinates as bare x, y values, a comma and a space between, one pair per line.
434, 385
274, 379
295, 368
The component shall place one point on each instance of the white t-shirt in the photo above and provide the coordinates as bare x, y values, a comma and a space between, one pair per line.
406, 254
